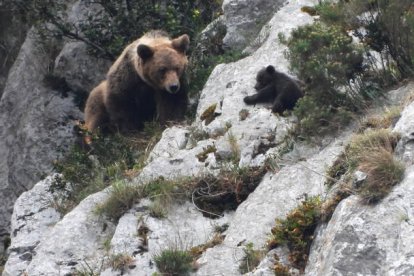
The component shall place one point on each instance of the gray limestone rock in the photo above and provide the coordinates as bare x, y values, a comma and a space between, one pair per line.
81, 71
244, 18
371, 239
36, 124
33, 218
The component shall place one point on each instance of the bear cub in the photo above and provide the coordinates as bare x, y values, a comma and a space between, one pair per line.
144, 83
276, 87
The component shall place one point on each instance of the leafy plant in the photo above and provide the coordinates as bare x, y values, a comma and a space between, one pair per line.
332, 68
296, 231
383, 26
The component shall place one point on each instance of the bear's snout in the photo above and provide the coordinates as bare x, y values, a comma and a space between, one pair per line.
173, 88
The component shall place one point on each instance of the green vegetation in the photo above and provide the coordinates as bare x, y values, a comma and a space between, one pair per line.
296, 231
342, 77
211, 194
325, 58
174, 262
86, 170
202, 156
122, 197
116, 24
251, 259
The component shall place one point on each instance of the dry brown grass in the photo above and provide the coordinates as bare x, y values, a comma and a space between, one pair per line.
383, 172
386, 120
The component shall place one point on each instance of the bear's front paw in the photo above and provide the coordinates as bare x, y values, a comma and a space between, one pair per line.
249, 99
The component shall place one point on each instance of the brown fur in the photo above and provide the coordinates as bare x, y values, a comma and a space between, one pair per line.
144, 83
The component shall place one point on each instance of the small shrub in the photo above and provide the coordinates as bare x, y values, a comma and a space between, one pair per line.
382, 26
331, 66
202, 156
174, 262
296, 231
383, 172
251, 259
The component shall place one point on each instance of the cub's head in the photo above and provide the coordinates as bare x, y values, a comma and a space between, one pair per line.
164, 64
264, 77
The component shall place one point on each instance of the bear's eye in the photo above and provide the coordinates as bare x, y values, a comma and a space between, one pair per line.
162, 70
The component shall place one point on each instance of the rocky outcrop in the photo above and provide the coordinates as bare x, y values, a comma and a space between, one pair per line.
12, 34
175, 156
372, 240
87, 241
37, 120
245, 18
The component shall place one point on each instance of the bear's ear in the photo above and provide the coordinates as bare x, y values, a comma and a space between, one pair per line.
270, 69
145, 52
181, 44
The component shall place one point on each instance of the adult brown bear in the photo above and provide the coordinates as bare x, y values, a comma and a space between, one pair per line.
145, 82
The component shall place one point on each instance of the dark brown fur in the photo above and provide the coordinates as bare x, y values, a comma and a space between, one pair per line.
144, 83
276, 87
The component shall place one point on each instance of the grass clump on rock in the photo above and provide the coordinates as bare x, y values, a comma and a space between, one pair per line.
211, 194
383, 173
371, 152
174, 262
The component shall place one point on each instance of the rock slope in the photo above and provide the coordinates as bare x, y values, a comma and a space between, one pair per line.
368, 240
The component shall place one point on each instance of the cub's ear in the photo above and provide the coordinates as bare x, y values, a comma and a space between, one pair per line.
270, 69
145, 52
181, 44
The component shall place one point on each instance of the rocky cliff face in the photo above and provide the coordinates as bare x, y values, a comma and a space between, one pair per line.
357, 240
36, 120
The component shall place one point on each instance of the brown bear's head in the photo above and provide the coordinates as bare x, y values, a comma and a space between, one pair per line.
264, 77
164, 64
